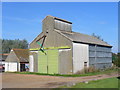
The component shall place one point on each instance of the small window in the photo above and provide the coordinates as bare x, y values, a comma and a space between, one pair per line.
85, 64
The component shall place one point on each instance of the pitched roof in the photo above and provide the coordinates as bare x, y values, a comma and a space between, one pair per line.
58, 19
4, 56
41, 34
22, 54
83, 38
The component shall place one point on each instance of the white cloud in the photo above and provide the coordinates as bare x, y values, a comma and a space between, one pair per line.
103, 22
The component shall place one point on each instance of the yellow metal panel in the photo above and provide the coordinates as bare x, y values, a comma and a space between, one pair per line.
62, 47
42, 62
52, 61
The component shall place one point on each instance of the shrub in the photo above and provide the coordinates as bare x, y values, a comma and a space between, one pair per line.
87, 70
116, 59
80, 72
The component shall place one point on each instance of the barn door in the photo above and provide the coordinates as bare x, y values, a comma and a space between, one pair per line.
80, 57
52, 61
48, 63
42, 62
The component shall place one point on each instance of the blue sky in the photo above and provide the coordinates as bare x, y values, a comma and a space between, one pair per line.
24, 20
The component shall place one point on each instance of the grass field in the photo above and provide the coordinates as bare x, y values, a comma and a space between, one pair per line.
74, 75
104, 83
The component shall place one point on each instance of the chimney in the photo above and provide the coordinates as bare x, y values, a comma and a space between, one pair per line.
51, 23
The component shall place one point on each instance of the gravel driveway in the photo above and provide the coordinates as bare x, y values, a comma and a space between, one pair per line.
12, 80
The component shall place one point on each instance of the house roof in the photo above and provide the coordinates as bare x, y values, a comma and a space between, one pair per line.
83, 38
4, 56
22, 54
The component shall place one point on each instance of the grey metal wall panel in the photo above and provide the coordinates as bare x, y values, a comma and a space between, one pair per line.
68, 27
103, 54
91, 48
99, 48
100, 57
57, 24
104, 60
65, 61
91, 61
103, 65
104, 49
65, 26
91, 54
62, 25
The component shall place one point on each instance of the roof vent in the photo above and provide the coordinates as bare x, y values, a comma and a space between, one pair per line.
51, 23
63, 25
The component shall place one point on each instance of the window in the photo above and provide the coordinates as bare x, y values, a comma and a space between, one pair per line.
85, 64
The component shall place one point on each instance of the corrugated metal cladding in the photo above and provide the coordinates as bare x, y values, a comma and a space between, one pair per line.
48, 63
63, 25
42, 62
100, 57
55, 61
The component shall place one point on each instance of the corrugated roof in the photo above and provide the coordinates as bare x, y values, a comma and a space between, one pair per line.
22, 54
79, 37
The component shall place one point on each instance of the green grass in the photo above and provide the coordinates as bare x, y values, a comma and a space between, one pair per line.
104, 83
74, 75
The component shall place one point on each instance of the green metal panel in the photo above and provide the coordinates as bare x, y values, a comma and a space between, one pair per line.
48, 63
52, 61
42, 62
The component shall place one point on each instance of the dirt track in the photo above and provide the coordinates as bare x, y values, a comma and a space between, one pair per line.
11, 80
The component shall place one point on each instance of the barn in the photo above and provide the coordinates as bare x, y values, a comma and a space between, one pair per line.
17, 60
59, 50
